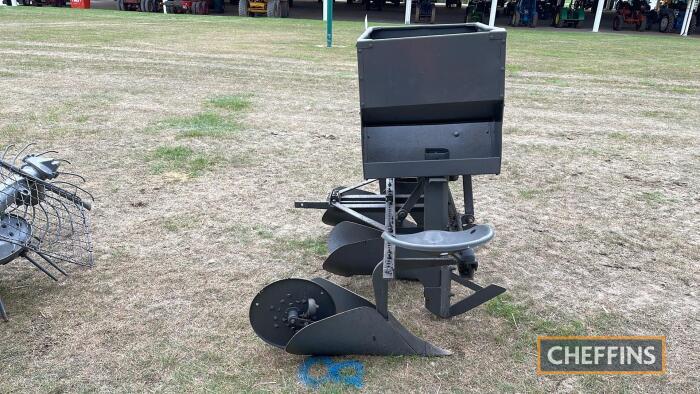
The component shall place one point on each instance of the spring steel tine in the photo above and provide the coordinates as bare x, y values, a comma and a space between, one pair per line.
63, 161
58, 219
22, 151
48, 260
7, 149
47, 226
48, 151
42, 269
77, 188
72, 174
72, 226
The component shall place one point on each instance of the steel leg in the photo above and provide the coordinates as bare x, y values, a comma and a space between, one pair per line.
3, 314
42, 269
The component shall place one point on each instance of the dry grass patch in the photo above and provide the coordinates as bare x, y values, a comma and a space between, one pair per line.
165, 308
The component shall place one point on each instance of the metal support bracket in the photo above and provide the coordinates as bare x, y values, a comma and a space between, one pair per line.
481, 295
437, 288
388, 263
468, 218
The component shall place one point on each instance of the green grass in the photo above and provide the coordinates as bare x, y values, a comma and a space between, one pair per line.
207, 124
181, 159
11, 131
504, 307
619, 135
233, 103
306, 246
529, 194
210, 124
526, 325
309, 246
654, 197
177, 223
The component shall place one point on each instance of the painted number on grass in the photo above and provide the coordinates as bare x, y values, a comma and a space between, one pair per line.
316, 371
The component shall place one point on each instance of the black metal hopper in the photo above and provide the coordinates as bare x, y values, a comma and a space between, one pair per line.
431, 100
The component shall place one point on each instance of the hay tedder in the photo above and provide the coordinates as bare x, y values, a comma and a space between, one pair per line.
42, 219
431, 116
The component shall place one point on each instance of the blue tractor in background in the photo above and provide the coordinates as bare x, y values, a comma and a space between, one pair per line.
672, 14
525, 13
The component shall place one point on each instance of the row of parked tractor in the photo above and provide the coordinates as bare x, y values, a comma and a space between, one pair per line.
199, 7
666, 15
271, 8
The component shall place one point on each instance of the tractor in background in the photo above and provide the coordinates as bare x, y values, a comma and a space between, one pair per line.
525, 13
271, 8
198, 7
546, 9
425, 11
672, 14
140, 5
477, 11
39, 3
632, 12
509, 7
568, 14
373, 4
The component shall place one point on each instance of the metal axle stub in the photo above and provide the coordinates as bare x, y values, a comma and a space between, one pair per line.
284, 307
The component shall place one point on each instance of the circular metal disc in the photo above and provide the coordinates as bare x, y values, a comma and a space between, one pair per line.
14, 232
268, 312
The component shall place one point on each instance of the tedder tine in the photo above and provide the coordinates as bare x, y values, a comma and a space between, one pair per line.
37, 265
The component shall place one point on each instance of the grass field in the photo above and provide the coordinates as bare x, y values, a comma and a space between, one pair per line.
197, 134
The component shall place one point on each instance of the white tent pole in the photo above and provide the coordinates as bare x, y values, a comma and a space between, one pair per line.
407, 17
15, 3
686, 20
598, 15
325, 10
492, 17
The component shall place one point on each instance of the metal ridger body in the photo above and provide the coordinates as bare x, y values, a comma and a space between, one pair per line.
431, 116
41, 218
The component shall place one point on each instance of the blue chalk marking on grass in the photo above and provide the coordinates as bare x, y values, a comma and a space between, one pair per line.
355, 379
306, 366
351, 372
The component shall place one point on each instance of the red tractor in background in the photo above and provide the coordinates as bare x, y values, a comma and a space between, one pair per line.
140, 5
631, 13
200, 7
